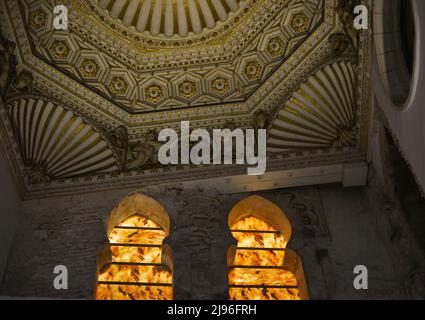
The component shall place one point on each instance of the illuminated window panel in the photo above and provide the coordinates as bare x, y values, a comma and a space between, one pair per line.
266, 258
139, 221
135, 272
259, 239
261, 277
128, 236
136, 254
258, 272
152, 274
264, 294
253, 224
135, 292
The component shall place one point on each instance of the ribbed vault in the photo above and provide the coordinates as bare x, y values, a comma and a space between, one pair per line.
321, 114
170, 17
56, 144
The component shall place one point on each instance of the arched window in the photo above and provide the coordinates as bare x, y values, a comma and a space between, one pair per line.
261, 267
136, 270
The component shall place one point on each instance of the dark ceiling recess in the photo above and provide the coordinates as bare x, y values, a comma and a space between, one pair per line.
407, 32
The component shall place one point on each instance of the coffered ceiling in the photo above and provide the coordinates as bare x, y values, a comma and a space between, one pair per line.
125, 69
143, 73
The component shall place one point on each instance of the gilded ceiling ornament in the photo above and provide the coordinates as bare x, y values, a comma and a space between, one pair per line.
37, 174
346, 136
60, 50
38, 19
187, 89
299, 22
118, 85
89, 68
119, 140
154, 93
262, 120
220, 85
276, 47
253, 70
144, 153
24, 80
339, 43
119, 137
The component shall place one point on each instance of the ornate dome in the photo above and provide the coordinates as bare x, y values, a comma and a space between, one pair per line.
321, 114
57, 144
170, 17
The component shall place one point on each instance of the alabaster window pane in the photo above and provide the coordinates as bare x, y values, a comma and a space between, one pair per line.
133, 292
264, 277
139, 222
252, 223
259, 274
264, 294
137, 274
130, 236
136, 254
259, 240
259, 257
136, 248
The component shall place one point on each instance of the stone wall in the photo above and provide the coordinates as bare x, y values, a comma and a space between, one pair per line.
9, 206
334, 229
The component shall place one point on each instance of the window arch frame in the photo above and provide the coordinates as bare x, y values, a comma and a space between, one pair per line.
146, 207
274, 216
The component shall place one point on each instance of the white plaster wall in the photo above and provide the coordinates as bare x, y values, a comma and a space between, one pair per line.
408, 123
9, 206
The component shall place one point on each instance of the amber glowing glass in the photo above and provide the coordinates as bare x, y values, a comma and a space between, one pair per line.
258, 272
136, 271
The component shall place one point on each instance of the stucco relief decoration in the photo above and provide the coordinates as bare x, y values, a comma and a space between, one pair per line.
130, 71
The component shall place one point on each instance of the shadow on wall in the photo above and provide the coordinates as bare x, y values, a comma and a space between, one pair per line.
9, 206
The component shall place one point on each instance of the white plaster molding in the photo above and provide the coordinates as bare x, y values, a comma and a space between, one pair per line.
350, 175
